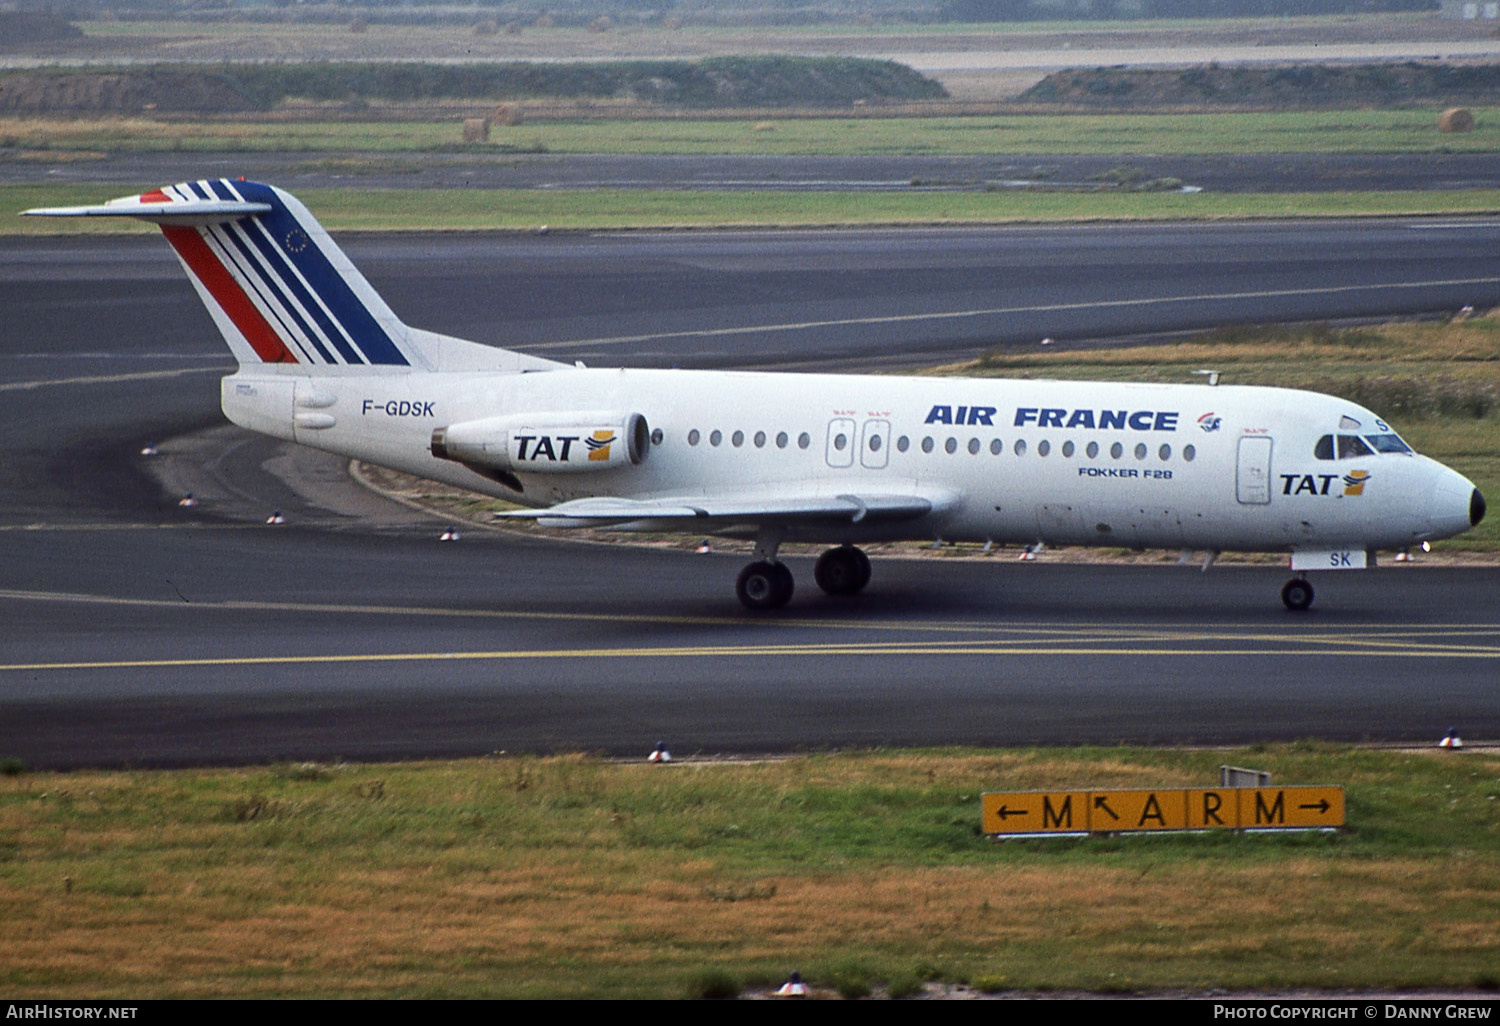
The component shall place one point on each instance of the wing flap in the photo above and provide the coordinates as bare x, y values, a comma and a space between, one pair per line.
720, 512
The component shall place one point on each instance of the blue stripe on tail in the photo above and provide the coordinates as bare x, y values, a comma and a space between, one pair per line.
371, 341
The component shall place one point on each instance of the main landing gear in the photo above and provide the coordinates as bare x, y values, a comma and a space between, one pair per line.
764, 585
767, 583
842, 571
1297, 594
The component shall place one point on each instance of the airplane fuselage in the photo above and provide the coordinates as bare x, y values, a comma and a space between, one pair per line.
1009, 461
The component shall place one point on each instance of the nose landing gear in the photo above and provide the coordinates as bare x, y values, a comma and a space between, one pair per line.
1297, 594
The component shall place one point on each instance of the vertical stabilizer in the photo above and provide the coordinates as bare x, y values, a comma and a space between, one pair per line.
278, 287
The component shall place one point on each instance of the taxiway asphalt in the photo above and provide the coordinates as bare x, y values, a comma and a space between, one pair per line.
138, 632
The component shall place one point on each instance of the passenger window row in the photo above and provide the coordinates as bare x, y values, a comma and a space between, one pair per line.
1091, 450
737, 439
928, 444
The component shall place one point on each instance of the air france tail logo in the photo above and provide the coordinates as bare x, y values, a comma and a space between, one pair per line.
1210, 422
1354, 482
598, 446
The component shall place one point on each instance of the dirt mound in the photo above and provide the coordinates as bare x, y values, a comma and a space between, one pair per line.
124, 92
1303, 86
716, 82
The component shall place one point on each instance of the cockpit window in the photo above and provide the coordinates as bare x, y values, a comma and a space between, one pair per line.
1351, 446
1387, 443
1324, 449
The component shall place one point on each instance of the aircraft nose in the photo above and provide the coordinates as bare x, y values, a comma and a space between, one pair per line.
1453, 503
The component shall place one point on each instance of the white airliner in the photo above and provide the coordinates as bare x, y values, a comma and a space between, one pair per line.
841, 460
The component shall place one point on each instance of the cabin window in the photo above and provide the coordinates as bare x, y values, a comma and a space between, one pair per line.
1165, 453
656, 437
1043, 447
1387, 443
1068, 449
760, 439
974, 447
1188, 452
927, 444
1092, 450
903, 443
781, 439
738, 439
875, 443
1351, 446
716, 437
1140, 450
950, 446
1020, 448
804, 440
693, 437
839, 441
996, 447
1116, 451
1324, 449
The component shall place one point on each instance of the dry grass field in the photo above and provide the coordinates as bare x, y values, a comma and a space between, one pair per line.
568, 876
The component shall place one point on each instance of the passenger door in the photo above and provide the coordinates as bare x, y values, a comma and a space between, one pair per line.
1252, 479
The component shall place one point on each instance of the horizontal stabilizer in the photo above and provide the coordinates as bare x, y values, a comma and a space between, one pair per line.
728, 510
159, 208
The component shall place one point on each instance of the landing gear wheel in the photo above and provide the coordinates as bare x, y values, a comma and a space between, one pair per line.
842, 571
764, 585
1297, 594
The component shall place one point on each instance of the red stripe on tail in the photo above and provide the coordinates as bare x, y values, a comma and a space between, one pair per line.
228, 294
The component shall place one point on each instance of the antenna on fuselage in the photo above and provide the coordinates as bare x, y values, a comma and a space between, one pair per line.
1212, 375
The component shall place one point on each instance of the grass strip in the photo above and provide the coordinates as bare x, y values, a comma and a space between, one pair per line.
526, 209
1018, 135
567, 876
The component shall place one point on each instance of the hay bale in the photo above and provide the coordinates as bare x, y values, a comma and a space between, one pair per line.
359, 25
488, 27
545, 21
507, 114
512, 28
764, 126
671, 23
603, 23
476, 130
1456, 119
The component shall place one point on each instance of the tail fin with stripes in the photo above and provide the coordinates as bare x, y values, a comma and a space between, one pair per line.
278, 287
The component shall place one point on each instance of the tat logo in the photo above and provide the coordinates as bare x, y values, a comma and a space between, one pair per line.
1319, 484
598, 446
1210, 422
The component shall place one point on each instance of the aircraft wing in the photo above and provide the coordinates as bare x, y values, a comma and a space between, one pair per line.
726, 511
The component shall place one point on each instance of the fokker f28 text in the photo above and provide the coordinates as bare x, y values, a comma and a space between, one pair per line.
837, 459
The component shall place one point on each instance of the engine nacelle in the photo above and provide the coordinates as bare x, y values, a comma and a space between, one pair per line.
545, 443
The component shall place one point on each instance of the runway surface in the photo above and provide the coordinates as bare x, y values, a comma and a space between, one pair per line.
137, 632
